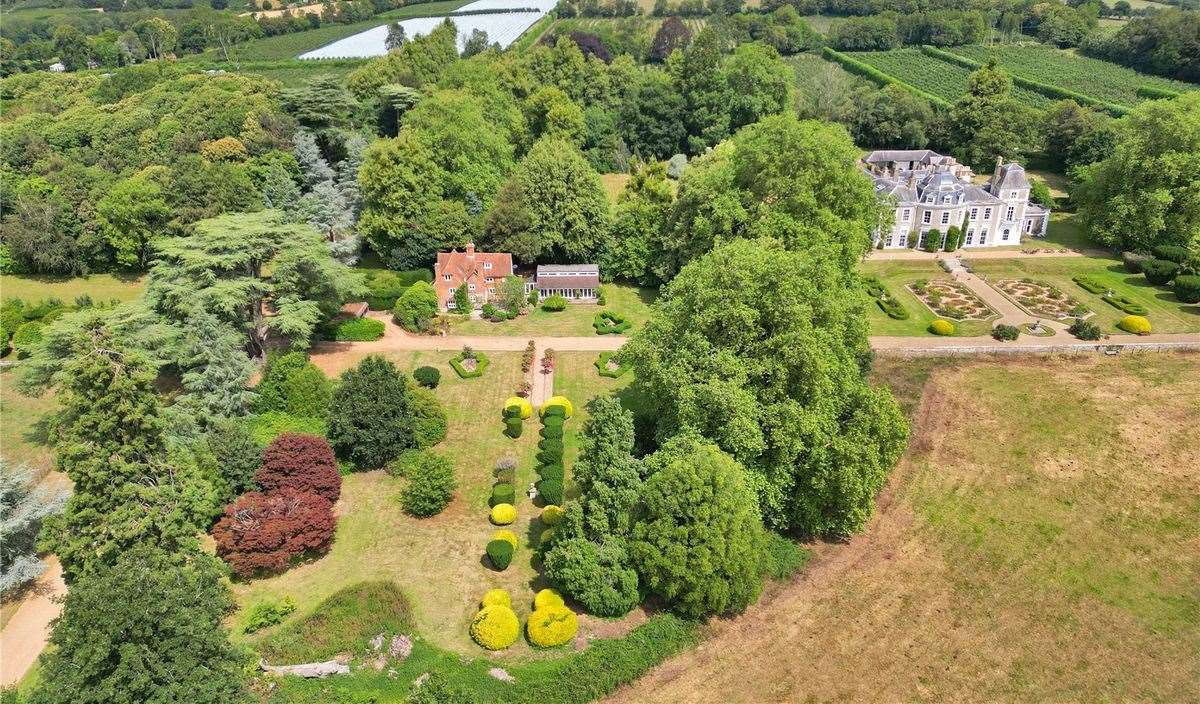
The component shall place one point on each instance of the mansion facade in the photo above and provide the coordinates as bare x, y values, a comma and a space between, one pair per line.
935, 192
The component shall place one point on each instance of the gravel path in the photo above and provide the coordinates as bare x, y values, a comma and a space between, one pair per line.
24, 636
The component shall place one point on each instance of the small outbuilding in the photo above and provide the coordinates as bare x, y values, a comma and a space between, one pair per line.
574, 282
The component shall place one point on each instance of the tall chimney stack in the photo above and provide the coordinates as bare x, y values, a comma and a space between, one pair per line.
470, 249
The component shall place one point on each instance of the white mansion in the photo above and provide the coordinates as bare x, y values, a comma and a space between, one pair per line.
931, 191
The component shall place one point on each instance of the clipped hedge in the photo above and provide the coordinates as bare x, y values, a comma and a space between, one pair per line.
496, 597
503, 494
602, 369
356, 330
1172, 253
1124, 303
879, 77
509, 536
554, 304
550, 491
481, 365
500, 553
551, 445
1159, 271
524, 408
610, 323
1132, 261
559, 402
1135, 324
513, 427
553, 421
892, 308
1187, 288
552, 626
495, 627
429, 377
1155, 93
941, 327
551, 470
503, 514
552, 515
553, 432
1091, 285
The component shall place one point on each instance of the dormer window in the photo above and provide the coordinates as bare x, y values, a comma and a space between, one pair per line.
445, 277
487, 265
470, 287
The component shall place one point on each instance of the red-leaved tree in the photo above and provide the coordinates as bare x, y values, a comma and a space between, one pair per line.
301, 462
263, 533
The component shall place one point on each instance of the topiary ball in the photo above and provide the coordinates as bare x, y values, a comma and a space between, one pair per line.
545, 537
551, 491
1136, 324
505, 534
503, 494
941, 327
553, 421
551, 445
522, 405
552, 626
552, 515
496, 597
513, 427
500, 552
547, 597
495, 627
503, 514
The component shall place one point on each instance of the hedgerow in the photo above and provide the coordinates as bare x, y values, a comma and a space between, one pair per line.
513, 427
559, 402
603, 361
1091, 285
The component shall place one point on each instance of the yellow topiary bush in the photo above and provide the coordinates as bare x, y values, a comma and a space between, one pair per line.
495, 627
496, 597
503, 514
941, 327
522, 403
1136, 324
505, 534
552, 515
551, 626
546, 598
563, 401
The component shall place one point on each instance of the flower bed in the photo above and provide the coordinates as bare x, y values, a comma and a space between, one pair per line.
951, 299
610, 323
1040, 299
607, 365
469, 364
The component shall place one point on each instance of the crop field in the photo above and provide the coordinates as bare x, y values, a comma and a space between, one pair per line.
1093, 77
945, 80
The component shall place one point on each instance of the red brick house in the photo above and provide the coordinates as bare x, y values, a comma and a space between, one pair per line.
482, 272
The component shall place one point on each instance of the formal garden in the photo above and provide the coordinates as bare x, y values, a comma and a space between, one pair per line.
951, 299
1040, 299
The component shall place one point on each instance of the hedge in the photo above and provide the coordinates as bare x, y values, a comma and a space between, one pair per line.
550, 491
551, 470
892, 308
941, 327
481, 364
513, 427
1124, 303
1135, 324
551, 445
503, 514
1155, 93
26, 337
496, 597
356, 330
1187, 288
503, 493
495, 627
1091, 285
601, 364
549, 457
559, 402
879, 77
553, 432
1160, 271
554, 304
554, 421
552, 626
429, 377
1172, 253
1133, 261
610, 323
500, 553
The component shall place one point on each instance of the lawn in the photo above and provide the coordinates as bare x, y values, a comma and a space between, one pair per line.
101, 287
439, 562
894, 275
18, 433
1166, 313
1036, 544
630, 301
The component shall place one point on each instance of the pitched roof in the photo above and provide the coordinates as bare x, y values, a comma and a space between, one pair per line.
463, 266
1012, 175
552, 276
897, 155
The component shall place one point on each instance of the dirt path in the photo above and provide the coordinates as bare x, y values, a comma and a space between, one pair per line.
24, 636
541, 381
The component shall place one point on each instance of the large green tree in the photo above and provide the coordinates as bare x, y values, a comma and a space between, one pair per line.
652, 116
759, 84
370, 421
762, 349
1146, 192
697, 534
987, 121
147, 628
638, 221
706, 97
259, 273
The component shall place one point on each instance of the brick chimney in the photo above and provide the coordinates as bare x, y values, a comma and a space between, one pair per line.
471, 249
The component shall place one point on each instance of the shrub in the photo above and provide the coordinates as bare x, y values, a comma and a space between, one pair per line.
481, 364
416, 308
1090, 285
263, 533
552, 470
545, 536
552, 626
1172, 253
356, 330
553, 421
549, 457
941, 327
554, 304
429, 377
500, 553
301, 462
280, 368
552, 432
430, 485
782, 558
503, 494
307, 392
547, 598
267, 613
508, 535
495, 627
1187, 288
1085, 330
892, 308
237, 453
503, 514
27, 337
550, 491
406, 461
267, 426
1006, 333
559, 402
610, 323
551, 445
1133, 261
370, 420
552, 515
1159, 271
429, 418
524, 409
602, 362
1124, 303
1136, 324
513, 427
496, 597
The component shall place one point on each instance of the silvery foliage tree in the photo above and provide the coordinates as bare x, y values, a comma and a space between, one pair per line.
22, 508
330, 204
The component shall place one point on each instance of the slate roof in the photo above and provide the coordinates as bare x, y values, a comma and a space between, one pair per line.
552, 276
1012, 175
888, 155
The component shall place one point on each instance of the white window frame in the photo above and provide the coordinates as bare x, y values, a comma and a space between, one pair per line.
446, 277
974, 213
970, 236
903, 240
987, 213
925, 217
487, 265
906, 215
946, 217
1004, 235
1008, 215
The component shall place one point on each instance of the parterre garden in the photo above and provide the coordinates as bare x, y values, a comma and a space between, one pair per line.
892, 279
951, 299
1041, 299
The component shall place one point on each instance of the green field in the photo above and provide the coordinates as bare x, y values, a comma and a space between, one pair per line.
945, 80
1093, 77
20, 440
101, 287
